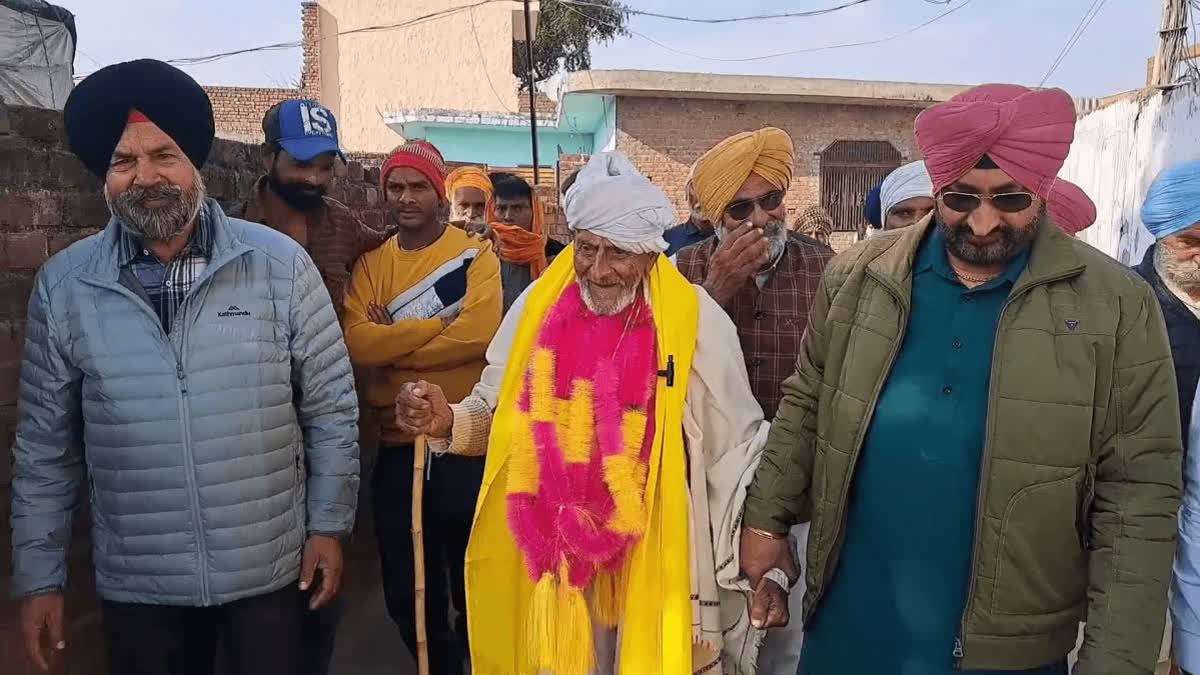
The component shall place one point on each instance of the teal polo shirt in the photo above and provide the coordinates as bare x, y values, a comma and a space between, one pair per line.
896, 602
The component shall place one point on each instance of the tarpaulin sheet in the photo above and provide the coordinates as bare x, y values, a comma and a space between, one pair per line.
37, 53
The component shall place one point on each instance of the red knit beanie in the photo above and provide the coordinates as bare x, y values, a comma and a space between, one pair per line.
422, 156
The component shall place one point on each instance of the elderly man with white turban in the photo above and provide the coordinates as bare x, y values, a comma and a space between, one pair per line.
906, 196
620, 434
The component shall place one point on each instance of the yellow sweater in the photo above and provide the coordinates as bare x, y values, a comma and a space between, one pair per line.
413, 285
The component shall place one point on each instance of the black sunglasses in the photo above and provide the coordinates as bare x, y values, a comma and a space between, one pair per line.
745, 208
1008, 202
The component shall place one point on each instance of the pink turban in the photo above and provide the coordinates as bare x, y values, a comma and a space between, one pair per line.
1026, 133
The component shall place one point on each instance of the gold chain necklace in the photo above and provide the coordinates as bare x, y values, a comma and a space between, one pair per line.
971, 278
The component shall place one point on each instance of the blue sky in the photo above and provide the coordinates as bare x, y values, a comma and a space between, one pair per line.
986, 41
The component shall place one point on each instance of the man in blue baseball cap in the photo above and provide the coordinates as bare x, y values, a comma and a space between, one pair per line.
300, 155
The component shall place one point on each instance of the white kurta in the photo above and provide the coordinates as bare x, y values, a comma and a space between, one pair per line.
724, 431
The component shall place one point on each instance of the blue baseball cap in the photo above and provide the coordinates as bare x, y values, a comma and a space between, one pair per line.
305, 129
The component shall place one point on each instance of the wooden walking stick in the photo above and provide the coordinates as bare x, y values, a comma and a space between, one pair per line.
418, 535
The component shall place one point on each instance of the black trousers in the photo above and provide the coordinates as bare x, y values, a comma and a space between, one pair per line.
318, 629
259, 636
449, 508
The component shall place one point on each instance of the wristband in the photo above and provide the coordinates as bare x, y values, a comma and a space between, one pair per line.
780, 577
766, 535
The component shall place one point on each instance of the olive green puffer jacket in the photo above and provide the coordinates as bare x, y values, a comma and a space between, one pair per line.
1076, 517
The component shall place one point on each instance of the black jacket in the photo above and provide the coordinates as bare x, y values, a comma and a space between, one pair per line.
1183, 330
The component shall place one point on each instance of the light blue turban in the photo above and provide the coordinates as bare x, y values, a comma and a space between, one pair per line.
1173, 202
910, 180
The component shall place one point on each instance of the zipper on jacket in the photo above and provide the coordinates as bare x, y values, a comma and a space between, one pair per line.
836, 551
985, 462
179, 356
182, 327
189, 461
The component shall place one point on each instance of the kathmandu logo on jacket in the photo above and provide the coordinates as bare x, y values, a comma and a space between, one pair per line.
233, 310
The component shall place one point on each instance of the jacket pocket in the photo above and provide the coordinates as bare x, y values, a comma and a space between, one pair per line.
1041, 566
1084, 519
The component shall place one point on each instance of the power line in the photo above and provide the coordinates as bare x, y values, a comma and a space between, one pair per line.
793, 52
279, 46
483, 64
1080, 29
756, 17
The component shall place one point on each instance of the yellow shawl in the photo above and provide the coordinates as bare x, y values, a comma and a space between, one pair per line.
656, 628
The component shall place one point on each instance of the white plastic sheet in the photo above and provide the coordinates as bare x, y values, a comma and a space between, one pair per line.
1117, 153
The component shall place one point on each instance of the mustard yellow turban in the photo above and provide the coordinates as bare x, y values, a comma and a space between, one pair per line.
720, 173
468, 176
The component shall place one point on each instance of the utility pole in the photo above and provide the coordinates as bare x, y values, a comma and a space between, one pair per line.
1171, 39
533, 139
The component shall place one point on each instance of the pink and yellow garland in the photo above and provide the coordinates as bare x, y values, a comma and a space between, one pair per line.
583, 432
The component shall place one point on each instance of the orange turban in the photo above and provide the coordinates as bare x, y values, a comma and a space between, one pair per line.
720, 173
472, 177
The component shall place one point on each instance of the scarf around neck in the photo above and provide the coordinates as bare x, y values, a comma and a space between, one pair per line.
520, 624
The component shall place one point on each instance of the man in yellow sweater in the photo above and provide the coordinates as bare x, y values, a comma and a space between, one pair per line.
423, 306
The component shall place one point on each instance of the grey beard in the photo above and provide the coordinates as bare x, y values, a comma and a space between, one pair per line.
625, 300
158, 224
775, 231
1183, 274
1012, 242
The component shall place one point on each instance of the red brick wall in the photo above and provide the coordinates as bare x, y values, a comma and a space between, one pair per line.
238, 111
310, 29
47, 201
663, 137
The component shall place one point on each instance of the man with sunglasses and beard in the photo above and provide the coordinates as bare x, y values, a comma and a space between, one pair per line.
188, 366
763, 275
982, 427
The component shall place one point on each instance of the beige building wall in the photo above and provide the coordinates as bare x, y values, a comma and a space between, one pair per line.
436, 63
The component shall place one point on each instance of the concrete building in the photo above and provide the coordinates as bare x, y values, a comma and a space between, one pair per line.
849, 134
399, 59
441, 70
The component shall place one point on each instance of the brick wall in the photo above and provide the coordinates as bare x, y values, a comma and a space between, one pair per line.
546, 107
238, 111
47, 201
663, 137
310, 30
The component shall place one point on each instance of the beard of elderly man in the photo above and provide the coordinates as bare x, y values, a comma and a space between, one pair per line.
154, 190
609, 277
1177, 259
750, 241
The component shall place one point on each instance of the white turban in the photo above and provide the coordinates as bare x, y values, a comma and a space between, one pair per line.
611, 199
910, 180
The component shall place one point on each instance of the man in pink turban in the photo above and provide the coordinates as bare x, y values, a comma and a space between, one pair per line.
1026, 134
982, 429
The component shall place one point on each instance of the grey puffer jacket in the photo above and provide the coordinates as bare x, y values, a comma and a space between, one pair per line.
212, 452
